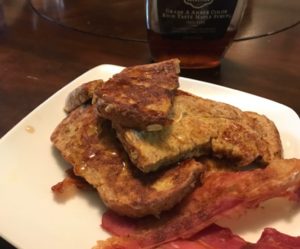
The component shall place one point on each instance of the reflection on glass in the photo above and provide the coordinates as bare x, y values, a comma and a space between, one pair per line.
261, 17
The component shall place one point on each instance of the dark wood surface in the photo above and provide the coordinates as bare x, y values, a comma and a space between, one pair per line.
39, 56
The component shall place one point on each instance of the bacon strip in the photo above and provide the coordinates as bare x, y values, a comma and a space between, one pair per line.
212, 237
117, 224
70, 181
221, 194
272, 239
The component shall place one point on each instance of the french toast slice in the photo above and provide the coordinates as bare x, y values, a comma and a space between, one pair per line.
89, 144
141, 96
202, 127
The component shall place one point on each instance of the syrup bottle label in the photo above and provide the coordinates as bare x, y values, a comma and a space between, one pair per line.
208, 19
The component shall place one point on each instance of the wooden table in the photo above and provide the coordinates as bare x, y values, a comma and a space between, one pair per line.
39, 56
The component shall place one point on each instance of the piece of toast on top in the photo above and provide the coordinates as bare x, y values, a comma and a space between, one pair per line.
89, 144
203, 127
141, 96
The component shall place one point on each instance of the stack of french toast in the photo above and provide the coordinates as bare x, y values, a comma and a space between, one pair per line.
146, 145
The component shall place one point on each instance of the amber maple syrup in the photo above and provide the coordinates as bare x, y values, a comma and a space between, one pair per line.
198, 32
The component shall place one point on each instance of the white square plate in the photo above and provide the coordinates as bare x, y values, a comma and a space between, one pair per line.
30, 218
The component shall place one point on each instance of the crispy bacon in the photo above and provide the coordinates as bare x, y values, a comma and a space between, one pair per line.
222, 193
272, 239
117, 224
212, 237
69, 182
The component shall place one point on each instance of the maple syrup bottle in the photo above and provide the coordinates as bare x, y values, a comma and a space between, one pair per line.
198, 32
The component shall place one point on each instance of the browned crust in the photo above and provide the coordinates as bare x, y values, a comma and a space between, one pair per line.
89, 144
200, 127
268, 130
140, 96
